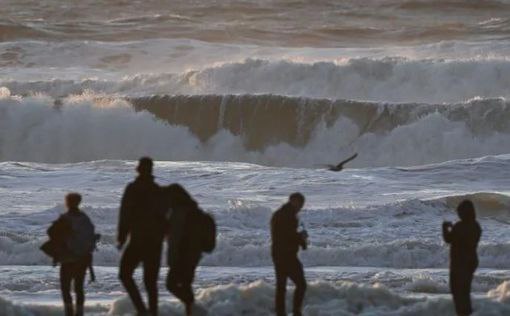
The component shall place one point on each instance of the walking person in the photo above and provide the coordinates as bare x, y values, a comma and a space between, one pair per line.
72, 241
191, 232
141, 232
286, 241
463, 238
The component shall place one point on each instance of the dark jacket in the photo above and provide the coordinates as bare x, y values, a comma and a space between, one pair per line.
66, 233
142, 213
463, 238
285, 237
184, 235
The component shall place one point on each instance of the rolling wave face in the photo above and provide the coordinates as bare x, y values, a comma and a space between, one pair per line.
265, 129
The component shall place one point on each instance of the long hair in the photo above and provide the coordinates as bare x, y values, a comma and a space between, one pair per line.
179, 197
466, 211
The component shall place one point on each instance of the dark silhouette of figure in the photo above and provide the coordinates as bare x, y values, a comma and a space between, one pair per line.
185, 245
142, 219
73, 233
286, 240
340, 166
463, 238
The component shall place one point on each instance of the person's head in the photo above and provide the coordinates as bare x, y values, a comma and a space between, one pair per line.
144, 167
73, 200
466, 211
178, 196
297, 200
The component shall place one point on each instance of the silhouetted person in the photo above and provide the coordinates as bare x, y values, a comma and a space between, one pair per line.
463, 238
141, 226
73, 235
340, 166
286, 240
184, 244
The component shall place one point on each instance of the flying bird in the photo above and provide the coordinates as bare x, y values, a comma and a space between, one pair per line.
340, 166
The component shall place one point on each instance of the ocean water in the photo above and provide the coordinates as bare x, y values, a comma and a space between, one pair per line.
244, 102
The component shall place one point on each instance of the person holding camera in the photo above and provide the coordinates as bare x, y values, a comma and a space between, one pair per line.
463, 238
286, 241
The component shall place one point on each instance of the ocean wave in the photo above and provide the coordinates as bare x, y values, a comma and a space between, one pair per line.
288, 23
265, 129
488, 204
383, 236
385, 79
452, 4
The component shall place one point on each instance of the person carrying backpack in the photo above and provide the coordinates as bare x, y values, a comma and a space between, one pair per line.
191, 232
72, 240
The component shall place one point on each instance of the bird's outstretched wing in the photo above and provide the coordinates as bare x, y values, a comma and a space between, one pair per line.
347, 160
340, 166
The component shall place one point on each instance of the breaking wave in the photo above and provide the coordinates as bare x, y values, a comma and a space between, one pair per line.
264, 129
386, 79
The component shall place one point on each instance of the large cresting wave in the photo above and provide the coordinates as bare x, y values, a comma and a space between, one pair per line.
265, 129
386, 79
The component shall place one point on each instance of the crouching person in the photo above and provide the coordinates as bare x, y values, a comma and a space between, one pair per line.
73, 239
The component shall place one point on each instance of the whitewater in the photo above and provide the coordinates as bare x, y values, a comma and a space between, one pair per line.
244, 102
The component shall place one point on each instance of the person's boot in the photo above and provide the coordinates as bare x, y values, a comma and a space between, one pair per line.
68, 309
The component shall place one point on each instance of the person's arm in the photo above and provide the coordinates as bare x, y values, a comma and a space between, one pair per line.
126, 206
91, 268
291, 232
447, 232
479, 233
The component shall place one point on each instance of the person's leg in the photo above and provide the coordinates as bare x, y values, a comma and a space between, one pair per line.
456, 290
151, 267
128, 263
65, 287
281, 288
471, 274
297, 275
79, 280
174, 281
465, 279
187, 285
179, 282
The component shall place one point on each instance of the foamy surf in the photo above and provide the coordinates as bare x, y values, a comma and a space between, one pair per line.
243, 112
263, 129
324, 299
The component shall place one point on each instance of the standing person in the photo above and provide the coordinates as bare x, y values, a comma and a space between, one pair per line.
74, 236
185, 244
286, 241
142, 219
463, 238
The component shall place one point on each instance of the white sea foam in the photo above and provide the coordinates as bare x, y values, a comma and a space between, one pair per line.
91, 127
324, 299
386, 79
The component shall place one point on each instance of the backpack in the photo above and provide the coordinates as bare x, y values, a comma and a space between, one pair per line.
82, 240
56, 247
207, 231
